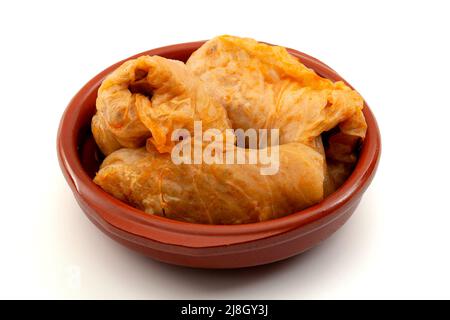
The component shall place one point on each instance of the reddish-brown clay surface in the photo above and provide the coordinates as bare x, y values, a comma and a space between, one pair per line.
197, 245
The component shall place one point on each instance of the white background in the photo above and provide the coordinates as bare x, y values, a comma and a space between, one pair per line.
395, 53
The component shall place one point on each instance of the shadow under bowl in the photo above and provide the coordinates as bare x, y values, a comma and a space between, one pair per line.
199, 245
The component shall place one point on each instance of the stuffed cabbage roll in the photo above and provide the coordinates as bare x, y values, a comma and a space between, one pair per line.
214, 193
152, 96
263, 86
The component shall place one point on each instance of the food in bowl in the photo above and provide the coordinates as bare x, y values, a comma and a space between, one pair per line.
149, 109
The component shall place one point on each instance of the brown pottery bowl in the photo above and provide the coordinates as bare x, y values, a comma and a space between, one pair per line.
198, 245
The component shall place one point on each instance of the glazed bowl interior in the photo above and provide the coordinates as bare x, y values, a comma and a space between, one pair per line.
80, 159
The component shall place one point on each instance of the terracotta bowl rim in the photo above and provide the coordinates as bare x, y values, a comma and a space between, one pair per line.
127, 218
